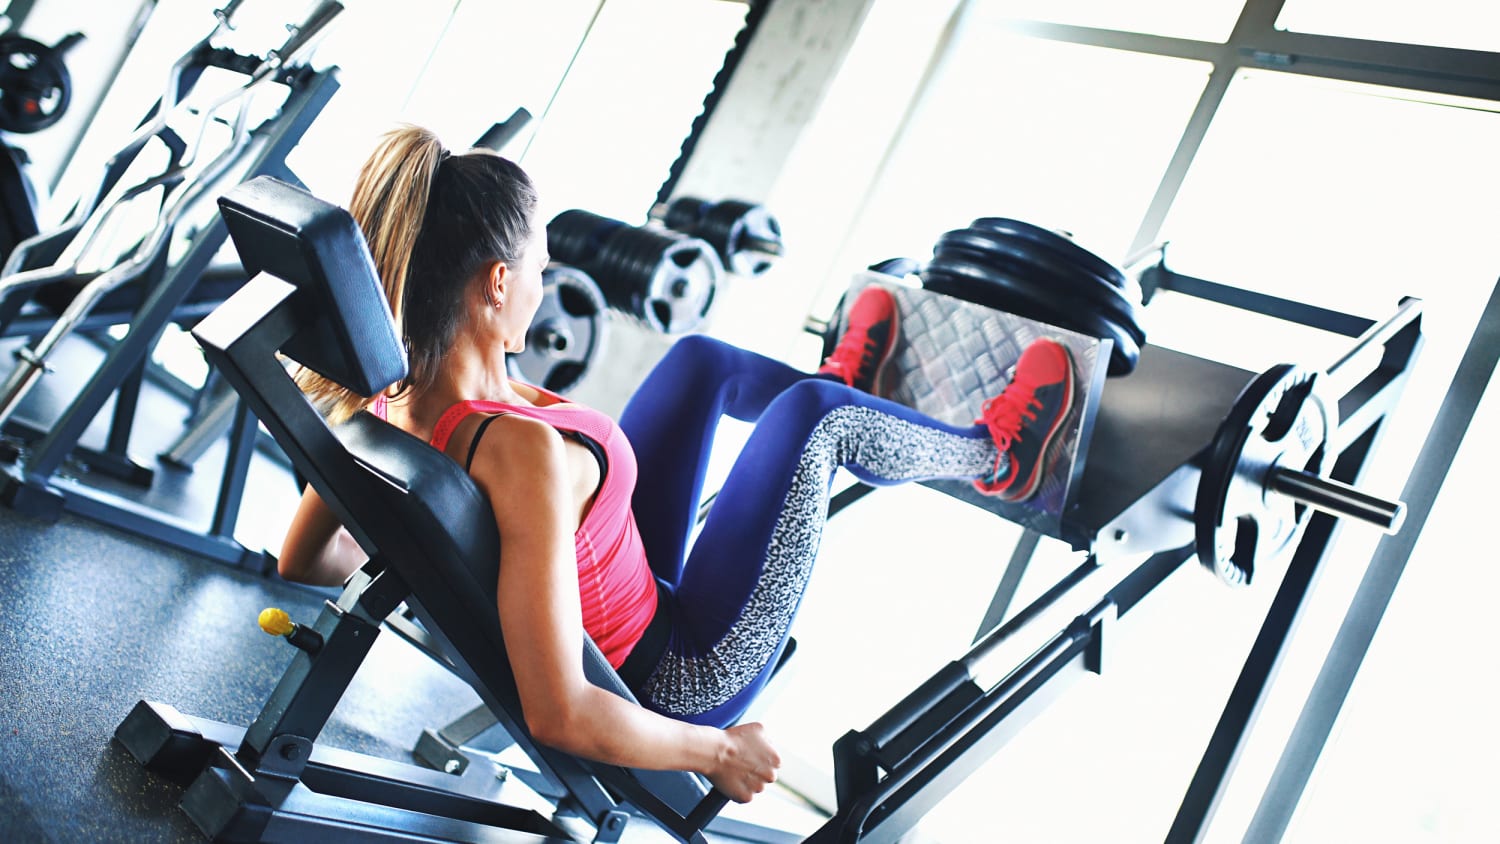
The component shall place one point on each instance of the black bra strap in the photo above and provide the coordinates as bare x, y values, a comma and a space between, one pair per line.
474, 443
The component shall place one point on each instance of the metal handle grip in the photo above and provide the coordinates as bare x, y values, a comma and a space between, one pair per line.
1337, 498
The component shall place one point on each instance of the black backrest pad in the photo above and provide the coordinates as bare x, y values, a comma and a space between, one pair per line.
317, 246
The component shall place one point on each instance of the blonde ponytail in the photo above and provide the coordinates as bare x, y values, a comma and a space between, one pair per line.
389, 204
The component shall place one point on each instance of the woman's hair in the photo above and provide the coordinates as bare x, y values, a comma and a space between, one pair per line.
432, 221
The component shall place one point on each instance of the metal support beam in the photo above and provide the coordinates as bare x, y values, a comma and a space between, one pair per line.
1352, 642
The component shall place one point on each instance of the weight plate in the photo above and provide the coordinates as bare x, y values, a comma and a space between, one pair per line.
976, 282
681, 290
665, 280
747, 237
35, 88
576, 236
1022, 260
567, 333
1280, 420
685, 212
1049, 239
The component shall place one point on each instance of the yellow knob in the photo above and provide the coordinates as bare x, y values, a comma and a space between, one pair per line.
275, 621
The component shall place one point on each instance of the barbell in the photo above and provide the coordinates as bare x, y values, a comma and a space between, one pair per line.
1267, 468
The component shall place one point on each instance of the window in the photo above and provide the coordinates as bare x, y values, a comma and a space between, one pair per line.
1065, 136
608, 141
1464, 24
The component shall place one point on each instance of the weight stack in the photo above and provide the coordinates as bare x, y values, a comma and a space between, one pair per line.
1030, 271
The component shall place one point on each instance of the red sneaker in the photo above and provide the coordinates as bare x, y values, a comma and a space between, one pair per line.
869, 338
1025, 418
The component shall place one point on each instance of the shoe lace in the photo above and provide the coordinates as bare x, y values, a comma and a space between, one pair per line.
854, 351
1006, 413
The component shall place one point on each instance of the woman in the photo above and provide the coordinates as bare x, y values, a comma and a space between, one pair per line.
460, 252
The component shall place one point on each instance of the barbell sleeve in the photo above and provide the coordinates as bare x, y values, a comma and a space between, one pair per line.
1337, 498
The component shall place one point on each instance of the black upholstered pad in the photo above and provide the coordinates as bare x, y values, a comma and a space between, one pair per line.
315, 245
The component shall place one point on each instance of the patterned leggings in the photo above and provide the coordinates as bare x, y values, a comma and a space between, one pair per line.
733, 598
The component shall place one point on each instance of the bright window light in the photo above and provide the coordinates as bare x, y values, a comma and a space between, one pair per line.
608, 141
1064, 136
1411, 757
1465, 24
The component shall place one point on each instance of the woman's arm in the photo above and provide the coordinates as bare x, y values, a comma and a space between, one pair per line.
541, 618
317, 548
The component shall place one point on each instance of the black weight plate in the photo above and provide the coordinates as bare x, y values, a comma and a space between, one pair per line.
1043, 267
35, 87
1280, 419
746, 236
684, 213
1066, 250
975, 282
576, 236
1048, 239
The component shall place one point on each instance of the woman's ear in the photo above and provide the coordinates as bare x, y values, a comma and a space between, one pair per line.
497, 284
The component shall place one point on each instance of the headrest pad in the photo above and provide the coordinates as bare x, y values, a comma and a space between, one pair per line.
347, 335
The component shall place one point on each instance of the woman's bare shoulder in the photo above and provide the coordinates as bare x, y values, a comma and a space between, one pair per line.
511, 448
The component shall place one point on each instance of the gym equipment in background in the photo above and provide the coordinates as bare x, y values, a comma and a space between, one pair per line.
664, 279
35, 90
35, 87
745, 235
75, 278
567, 334
497, 136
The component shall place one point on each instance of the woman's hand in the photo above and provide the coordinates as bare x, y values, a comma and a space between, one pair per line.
747, 764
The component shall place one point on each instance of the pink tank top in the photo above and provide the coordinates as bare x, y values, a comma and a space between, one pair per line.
615, 584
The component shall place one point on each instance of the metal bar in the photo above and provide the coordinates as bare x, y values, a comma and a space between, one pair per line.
1257, 42
156, 310
541, 120
1182, 158
242, 437
16, 11
203, 431
179, 746
312, 684
1111, 39
883, 813
1010, 581
1352, 642
1375, 337
127, 399
1337, 499
1436, 70
1261, 303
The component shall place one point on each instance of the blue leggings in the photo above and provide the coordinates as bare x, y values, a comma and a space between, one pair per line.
733, 598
